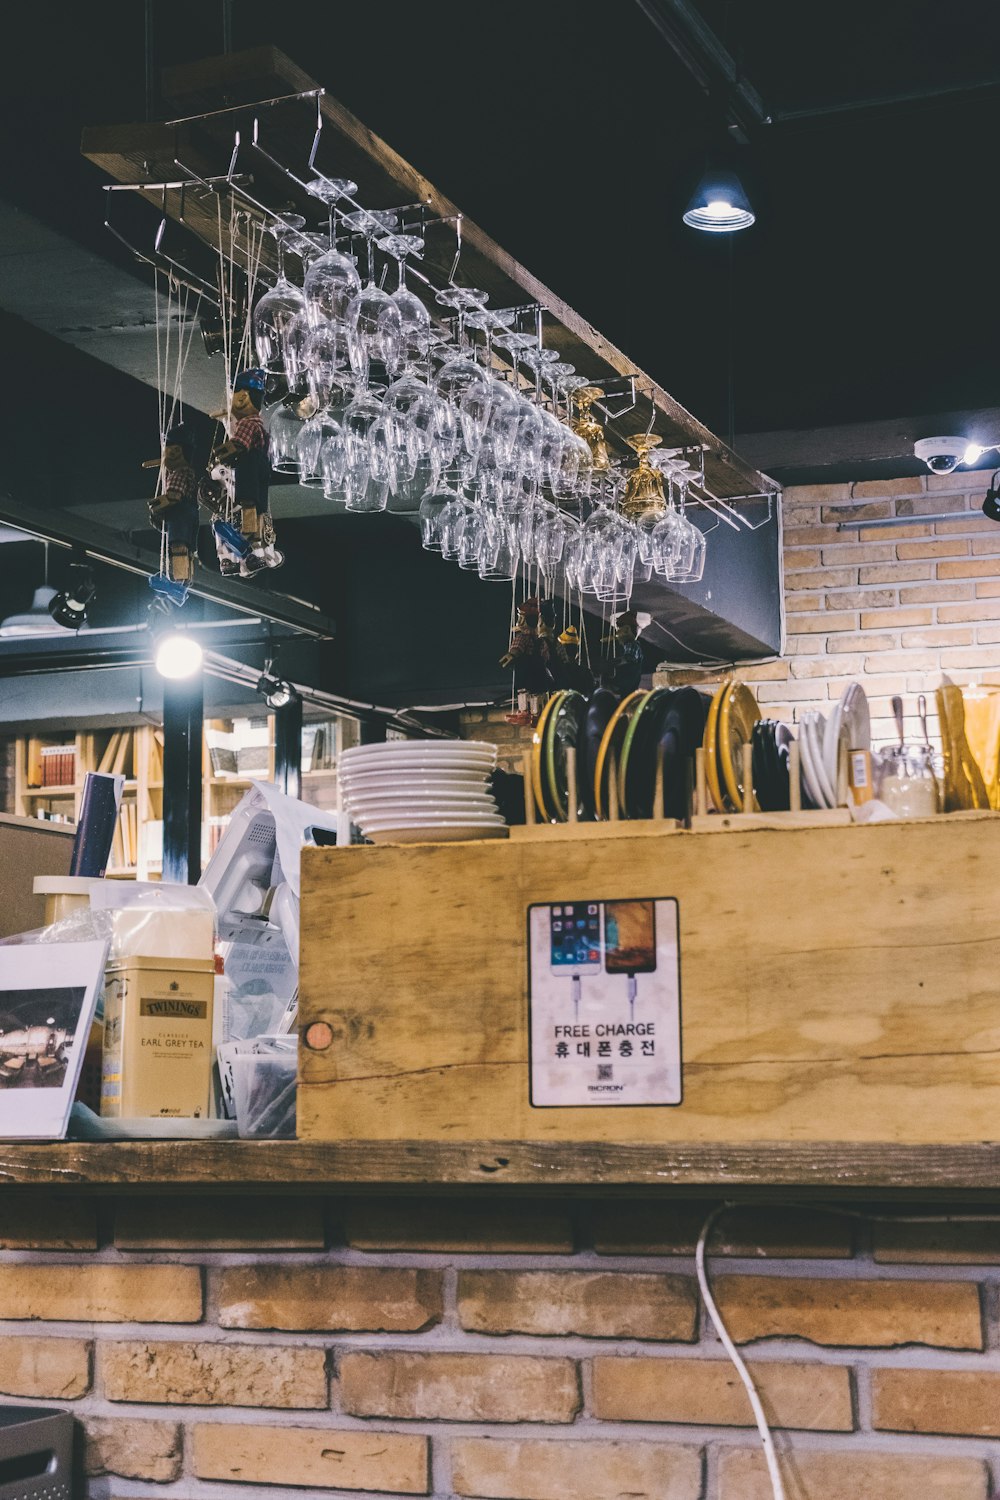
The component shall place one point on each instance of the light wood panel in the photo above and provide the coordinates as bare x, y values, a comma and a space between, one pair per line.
838, 984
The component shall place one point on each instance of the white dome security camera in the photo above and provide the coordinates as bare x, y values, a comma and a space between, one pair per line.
942, 454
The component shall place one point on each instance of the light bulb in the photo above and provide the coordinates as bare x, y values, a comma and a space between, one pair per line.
178, 656
973, 454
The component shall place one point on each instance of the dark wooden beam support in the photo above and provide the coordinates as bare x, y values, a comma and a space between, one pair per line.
183, 714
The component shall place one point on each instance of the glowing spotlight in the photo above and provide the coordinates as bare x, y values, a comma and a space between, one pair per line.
178, 655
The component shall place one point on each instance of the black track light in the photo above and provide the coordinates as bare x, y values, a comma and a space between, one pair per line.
69, 607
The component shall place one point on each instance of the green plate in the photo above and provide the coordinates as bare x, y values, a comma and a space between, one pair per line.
564, 727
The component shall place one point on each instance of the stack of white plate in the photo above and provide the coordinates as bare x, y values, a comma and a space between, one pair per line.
820, 740
421, 791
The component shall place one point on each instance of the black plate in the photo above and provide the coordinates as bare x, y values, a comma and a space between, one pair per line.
600, 706
643, 754
783, 738
686, 716
762, 783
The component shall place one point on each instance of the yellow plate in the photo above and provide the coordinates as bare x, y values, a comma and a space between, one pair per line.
617, 720
737, 716
710, 744
537, 751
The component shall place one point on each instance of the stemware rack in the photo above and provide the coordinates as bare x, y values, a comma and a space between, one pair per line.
289, 128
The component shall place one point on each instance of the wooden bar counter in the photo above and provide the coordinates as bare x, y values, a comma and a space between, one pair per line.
839, 985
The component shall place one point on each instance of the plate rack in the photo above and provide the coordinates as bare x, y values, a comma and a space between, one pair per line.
699, 820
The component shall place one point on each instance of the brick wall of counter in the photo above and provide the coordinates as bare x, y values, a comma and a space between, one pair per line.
517, 1350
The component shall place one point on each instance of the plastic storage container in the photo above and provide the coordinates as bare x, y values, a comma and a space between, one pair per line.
36, 1450
264, 1093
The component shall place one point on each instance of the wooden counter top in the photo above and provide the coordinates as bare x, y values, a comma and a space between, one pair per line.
761, 1171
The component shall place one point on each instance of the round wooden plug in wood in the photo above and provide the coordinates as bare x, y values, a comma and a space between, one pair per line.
318, 1036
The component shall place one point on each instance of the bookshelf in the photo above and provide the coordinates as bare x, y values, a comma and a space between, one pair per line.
234, 752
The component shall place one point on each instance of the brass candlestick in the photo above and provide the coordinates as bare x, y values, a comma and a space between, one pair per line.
644, 487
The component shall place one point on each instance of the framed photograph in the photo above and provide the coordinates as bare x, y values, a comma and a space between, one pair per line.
48, 998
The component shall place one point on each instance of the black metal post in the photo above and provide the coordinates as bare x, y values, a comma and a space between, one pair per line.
183, 715
288, 747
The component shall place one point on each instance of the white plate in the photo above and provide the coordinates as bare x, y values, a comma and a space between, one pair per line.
418, 797
400, 747
849, 725
417, 766
817, 734
420, 804
445, 834
405, 821
418, 775
424, 750
832, 736
811, 787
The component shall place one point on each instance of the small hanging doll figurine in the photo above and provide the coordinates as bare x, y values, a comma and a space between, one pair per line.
245, 452
623, 668
175, 510
524, 653
561, 662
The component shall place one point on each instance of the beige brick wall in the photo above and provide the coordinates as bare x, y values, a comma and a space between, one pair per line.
892, 607
501, 1349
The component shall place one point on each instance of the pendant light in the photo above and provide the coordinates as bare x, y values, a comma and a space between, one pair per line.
719, 203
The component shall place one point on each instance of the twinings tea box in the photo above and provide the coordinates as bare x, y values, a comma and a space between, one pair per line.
157, 1037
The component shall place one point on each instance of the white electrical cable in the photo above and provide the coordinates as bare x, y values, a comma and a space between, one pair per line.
777, 1487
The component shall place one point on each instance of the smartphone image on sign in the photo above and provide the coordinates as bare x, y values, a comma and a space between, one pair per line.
630, 937
575, 937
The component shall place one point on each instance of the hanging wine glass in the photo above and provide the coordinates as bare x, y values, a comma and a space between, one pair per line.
331, 190
429, 514
450, 523
333, 462
498, 556
461, 299
330, 283
467, 388
489, 324
308, 445
472, 538
278, 308
374, 325
374, 331
325, 361
414, 317
282, 426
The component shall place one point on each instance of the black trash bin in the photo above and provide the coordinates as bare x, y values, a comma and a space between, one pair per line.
36, 1453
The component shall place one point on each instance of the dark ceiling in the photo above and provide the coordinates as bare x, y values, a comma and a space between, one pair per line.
573, 134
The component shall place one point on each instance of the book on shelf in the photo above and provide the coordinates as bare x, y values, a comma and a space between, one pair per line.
221, 752
58, 765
